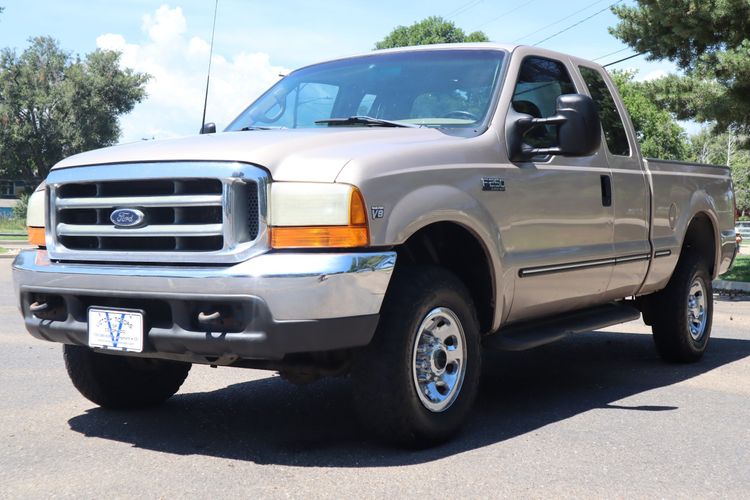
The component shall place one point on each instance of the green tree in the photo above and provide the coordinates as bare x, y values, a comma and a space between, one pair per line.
724, 149
710, 41
53, 105
659, 135
429, 31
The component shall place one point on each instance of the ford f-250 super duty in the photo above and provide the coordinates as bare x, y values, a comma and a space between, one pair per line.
383, 216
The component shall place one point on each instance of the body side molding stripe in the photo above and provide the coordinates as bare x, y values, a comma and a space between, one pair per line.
572, 266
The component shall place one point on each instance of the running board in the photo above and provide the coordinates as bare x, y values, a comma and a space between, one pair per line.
531, 334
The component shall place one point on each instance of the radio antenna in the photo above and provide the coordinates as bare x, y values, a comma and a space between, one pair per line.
208, 75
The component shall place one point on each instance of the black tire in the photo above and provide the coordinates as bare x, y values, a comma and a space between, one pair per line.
671, 326
383, 373
123, 382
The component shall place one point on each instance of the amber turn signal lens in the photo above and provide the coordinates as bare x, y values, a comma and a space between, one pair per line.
357, 212
319, 237
36, 236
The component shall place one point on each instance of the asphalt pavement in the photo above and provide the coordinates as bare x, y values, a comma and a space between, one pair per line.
595, 415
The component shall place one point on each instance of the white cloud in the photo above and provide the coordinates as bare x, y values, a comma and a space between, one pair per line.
653, 75
177, 64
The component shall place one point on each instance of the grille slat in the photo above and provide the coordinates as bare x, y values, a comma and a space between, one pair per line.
141, 201
176, 230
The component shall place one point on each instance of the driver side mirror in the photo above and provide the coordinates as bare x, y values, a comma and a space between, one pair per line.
577, 123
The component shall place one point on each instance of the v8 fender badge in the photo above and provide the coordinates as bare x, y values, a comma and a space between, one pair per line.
493, 184
377, 212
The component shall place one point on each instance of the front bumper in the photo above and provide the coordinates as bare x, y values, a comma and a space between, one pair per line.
271, 305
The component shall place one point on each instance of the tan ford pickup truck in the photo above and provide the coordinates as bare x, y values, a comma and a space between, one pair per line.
386, 217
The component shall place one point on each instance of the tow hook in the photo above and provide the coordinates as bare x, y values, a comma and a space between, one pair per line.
209, 319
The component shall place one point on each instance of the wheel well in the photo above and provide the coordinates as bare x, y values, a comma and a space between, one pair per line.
701, 239
457, 249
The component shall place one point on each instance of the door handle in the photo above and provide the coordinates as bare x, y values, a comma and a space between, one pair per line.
606, 191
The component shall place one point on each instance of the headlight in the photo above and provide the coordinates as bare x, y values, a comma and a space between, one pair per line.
317, 215
35, 216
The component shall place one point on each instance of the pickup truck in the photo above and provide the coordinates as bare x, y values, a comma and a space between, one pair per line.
384, 217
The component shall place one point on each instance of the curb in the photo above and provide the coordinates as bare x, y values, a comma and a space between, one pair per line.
731, 286
10, 254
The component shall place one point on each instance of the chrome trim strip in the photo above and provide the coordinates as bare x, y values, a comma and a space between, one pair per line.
176, 230
559, 268
204, 200
662, 253
296, 286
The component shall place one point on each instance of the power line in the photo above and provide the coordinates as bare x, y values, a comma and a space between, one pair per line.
623, 59
611, 53
463, 8
558, 21
505, 14
578, 23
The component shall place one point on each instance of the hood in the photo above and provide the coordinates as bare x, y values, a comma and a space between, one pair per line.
313, 155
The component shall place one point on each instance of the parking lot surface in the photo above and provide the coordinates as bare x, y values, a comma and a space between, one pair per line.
595, 415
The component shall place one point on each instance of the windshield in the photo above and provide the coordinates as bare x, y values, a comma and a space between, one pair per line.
431, 88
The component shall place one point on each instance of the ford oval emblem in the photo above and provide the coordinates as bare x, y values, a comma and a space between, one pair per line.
127, 217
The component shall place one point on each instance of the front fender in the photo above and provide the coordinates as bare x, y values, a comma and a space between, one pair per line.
432, 204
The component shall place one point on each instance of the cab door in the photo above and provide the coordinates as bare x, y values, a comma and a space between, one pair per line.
630, 190
556, 224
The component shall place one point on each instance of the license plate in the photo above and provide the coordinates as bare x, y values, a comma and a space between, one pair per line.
116, 329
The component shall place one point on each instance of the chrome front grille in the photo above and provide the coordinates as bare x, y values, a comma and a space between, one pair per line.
187, 216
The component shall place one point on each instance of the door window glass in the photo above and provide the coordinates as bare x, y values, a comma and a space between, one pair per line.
540, 82
614, 129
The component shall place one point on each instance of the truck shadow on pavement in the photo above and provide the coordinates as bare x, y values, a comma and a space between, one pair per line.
269, 421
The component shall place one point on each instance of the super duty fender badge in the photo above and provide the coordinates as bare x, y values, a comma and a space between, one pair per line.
377, 212
493, 184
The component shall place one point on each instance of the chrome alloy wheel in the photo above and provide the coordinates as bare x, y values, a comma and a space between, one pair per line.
696, 309
439, 359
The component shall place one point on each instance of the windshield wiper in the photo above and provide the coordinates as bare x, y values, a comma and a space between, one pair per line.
245, 129
366, 120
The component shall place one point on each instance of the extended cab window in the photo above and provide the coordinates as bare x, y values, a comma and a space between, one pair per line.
540, 82
614, 129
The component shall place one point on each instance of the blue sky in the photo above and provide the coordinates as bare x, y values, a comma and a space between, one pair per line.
257, 40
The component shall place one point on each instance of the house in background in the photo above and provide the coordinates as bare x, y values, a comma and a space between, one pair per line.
10, 190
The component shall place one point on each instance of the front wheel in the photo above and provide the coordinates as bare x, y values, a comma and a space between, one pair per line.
417, 380
123, 382
683, 312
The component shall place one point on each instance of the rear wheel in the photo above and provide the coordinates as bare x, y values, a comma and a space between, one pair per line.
415, 383
683, 312
123, 382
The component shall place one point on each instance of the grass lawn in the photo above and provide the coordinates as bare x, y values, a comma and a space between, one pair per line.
741, 269
10, 225
3, 250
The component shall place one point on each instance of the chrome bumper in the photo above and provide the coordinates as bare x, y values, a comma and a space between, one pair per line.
295, 286
285, 301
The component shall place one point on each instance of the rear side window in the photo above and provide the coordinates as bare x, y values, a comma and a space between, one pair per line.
540, 82
614, 129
